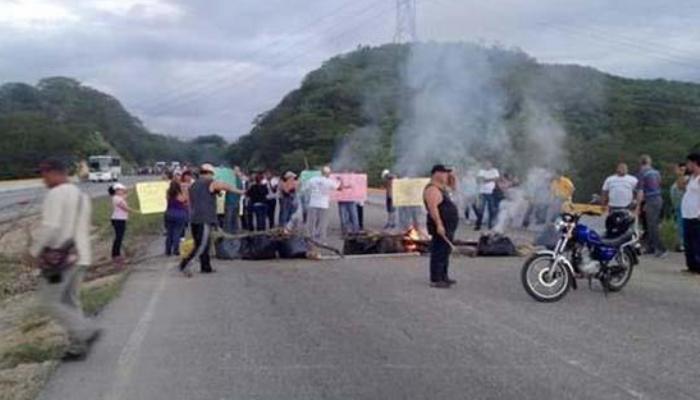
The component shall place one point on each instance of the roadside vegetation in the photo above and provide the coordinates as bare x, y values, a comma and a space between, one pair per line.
30, 343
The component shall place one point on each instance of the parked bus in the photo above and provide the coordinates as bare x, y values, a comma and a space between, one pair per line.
104, 168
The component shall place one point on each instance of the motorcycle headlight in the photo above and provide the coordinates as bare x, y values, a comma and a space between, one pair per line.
560, 224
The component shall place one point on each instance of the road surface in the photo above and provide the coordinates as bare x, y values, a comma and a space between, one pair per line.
25, 200
373, 329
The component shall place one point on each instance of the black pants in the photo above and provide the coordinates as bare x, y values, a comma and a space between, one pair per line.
361, 216
271, 211
119, 226
691, 232
201, 233
439, 258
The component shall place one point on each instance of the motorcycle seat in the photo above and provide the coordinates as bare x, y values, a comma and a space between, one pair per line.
617, 241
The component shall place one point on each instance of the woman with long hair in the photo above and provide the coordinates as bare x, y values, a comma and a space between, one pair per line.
176, 217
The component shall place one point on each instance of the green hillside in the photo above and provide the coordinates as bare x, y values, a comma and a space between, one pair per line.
60, 117
607, 118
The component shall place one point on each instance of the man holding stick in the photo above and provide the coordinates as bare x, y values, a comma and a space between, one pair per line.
443, 218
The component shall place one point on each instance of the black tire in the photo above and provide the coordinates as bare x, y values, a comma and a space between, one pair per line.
619, 279
564, 274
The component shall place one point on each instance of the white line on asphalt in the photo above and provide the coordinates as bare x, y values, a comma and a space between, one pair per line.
127, 357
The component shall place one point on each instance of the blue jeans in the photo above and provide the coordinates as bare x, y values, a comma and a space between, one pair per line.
259, 210
287, 209
349, 222
174, 228
487, 203
231, 213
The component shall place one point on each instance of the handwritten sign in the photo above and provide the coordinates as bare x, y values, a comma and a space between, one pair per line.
226, 175
152, 196
409, 191
356, 189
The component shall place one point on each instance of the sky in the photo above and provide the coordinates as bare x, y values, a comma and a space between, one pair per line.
189, 68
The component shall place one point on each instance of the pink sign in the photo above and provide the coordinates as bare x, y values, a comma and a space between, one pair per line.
354, 187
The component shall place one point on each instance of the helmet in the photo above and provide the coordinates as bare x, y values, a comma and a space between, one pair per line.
618, 223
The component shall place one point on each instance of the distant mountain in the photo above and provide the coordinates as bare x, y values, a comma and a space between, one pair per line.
606, 118
60, 117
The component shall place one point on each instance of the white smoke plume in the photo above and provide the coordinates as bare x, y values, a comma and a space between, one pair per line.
456, 108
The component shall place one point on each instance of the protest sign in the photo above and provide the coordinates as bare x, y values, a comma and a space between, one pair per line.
356, 189
408, 191
152, 196
226, 175
308, 174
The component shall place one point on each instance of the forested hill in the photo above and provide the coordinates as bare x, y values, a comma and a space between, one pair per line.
607, 118
60, 117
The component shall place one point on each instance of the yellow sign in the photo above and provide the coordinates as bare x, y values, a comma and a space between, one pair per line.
152, 196
408, 191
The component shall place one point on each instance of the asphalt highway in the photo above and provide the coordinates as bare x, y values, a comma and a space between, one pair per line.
27, 198
373, 329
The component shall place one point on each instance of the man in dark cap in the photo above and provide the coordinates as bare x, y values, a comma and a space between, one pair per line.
443, 218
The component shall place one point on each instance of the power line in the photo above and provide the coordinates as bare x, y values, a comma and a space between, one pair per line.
207, 84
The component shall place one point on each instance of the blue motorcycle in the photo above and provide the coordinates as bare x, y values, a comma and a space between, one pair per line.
582, 253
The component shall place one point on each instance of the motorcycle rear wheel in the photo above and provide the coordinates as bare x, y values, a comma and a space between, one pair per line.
536, 281
620, 273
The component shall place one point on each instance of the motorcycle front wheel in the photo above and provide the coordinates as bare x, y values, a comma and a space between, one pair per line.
544, 279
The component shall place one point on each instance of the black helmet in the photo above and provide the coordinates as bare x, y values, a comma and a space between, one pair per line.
618, 223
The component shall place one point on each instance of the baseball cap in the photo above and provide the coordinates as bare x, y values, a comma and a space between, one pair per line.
289, 175
118, 186
440, 168
206, 168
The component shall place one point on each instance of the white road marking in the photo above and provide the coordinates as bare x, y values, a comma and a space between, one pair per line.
128, 355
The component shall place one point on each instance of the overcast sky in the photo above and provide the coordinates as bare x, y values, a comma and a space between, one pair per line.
189, 67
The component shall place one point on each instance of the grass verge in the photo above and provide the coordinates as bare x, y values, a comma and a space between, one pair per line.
30, 343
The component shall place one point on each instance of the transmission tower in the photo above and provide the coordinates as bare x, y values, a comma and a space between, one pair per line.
405, 21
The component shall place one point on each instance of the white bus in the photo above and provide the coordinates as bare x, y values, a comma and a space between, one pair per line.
104, 168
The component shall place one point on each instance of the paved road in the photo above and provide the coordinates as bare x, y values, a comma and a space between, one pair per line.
28, 199
374, 330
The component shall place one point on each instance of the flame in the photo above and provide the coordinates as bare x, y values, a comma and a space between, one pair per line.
410, 239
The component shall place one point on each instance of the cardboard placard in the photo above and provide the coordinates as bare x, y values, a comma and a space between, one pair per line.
408, 191
152, 196
356, 189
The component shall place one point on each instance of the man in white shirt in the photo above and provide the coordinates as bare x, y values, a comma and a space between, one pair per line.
486, 178
319, 189
618, 189
65, 224
690, 210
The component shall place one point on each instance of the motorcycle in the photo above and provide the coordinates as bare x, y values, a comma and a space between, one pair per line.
581, 253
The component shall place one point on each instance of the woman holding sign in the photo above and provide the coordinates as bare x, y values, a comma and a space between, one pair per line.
120, 214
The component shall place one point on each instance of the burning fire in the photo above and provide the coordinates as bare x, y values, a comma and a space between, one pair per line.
410, 239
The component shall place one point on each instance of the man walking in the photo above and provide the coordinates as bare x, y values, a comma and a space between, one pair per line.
487, 177
690, 209
61, 248
618, 190
649, 197
443, 218
202, 195
320, 189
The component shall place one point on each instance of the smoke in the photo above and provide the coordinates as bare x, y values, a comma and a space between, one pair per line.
468, 103
456, 108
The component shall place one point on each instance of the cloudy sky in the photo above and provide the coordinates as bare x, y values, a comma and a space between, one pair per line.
189, 67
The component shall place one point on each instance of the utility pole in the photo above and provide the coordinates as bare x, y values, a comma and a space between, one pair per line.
405, 21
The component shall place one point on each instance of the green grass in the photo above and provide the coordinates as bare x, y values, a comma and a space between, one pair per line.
32, 352
669, 234
95, 297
